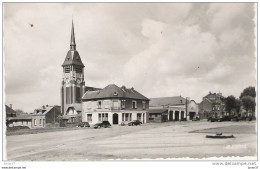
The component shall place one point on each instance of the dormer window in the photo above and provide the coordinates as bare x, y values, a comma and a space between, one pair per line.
115, 93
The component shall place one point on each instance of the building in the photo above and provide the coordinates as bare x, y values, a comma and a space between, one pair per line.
179, 108
158, 115
46, 116
13, 119
212, 105
9, 111
73, 84
193, 109
114, 104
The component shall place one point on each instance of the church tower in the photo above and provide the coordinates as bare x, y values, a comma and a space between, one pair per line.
73, 84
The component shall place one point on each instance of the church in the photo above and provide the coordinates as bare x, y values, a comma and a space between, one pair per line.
88, 104
73, 84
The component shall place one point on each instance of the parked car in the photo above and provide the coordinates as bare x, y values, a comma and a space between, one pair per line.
134, 123
225, 118
214, 119
104, 124
196, 118
124, 123
84, 124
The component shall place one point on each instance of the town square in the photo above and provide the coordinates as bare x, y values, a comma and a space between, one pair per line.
129, 81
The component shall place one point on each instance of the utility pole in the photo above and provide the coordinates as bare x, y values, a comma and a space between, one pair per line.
186, 108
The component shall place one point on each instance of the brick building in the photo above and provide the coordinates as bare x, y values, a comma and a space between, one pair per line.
212, 105
46, 116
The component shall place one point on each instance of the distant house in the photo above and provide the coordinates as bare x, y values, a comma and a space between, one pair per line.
114, 104
212, 105
13, 119
178, 107
46, 116
9, 111
158, 115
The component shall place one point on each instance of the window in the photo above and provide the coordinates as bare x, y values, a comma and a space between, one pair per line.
126, 117
35, 122
67, 69
78, 69
40, 121
99, 104
139, 115
106, 103
123, 104
144, 105
72, 119
89, 117
104, 116
115, 104
134, 104
99, 116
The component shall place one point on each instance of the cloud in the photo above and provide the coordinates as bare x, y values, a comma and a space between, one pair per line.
161, 49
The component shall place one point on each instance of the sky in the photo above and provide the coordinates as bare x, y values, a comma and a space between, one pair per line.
160, 49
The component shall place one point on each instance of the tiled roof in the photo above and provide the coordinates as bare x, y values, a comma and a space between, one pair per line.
113, 91
73, 58
157, 111
165, 101
21, 117
49, 108
88, 88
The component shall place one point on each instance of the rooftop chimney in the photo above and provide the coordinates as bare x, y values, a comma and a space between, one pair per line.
11, 106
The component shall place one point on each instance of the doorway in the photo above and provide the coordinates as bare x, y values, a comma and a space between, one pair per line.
182, 115
115, 118
192, 114
171, 116
176, 116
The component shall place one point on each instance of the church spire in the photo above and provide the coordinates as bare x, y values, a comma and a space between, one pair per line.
72, 40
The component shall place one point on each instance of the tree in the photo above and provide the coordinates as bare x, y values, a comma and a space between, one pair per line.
230, 103
250, 91
238, 105
249, 103
19, 112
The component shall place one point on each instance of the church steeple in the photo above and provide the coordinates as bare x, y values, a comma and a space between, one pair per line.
72, 40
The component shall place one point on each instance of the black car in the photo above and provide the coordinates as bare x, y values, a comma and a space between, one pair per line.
225, 118
104, 124
134, 123
214, 119
84, 124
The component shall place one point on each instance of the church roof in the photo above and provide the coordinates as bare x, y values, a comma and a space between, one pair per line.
72, 57
113, 91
